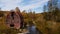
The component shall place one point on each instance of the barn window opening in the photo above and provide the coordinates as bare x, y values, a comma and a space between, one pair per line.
12, 14
11, 25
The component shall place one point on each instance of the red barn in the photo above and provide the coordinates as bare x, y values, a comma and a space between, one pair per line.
14, 20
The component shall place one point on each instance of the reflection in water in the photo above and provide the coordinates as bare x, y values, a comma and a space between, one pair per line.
33, 30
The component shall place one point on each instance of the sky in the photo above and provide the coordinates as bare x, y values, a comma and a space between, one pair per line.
34, 5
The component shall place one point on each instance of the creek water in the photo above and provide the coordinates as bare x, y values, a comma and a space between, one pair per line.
33, 30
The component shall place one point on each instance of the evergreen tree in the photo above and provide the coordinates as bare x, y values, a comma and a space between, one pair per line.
52, 5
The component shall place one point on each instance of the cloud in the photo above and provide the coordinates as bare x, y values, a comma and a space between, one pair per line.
29, 4
9, 4
34, 5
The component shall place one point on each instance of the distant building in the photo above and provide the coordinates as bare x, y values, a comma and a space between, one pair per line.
14, 19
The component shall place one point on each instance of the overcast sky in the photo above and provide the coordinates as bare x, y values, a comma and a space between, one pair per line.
35, 5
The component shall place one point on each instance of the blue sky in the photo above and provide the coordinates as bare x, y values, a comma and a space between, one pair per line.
34, 5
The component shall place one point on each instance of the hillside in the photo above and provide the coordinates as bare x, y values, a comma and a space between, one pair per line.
44, 22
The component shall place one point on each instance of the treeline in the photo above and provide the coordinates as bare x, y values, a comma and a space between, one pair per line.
52, 11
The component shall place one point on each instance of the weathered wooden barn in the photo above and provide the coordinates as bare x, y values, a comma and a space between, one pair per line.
14, 19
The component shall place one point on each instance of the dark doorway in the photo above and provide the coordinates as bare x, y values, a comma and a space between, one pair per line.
11, 25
